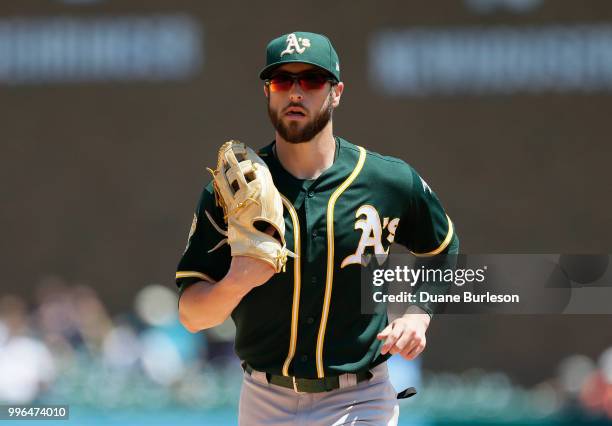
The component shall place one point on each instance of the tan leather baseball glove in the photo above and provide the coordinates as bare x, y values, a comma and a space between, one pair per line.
251, 204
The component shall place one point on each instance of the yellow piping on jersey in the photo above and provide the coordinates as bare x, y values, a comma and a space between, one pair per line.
295, 310
445, 243
193, 274
330, 258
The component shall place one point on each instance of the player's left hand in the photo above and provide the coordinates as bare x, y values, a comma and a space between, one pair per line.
406, 335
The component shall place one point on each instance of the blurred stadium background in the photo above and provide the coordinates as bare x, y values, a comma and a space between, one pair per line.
112, 109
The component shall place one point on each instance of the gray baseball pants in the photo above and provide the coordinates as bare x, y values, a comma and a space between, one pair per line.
371, 402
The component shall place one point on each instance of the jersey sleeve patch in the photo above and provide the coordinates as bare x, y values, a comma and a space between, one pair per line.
425, 229
207, 256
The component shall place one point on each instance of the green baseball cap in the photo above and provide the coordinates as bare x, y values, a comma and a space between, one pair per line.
308, 48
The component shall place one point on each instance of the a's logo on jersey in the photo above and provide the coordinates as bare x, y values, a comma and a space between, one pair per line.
371, 233
293, 45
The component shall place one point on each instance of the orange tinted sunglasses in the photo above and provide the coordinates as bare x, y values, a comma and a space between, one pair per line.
283, 82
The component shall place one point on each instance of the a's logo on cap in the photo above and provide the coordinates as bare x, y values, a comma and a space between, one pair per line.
426, 187
293, 45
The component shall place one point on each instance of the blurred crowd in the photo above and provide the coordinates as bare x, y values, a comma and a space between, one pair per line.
68, 349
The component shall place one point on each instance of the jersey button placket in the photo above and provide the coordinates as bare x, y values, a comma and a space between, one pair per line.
311, 234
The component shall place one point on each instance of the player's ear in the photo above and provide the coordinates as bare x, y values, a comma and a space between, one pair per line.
336, 93
266, 91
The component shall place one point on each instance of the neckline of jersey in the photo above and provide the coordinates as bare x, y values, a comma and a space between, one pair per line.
306, 184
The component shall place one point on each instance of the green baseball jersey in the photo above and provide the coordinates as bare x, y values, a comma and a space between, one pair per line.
306, 321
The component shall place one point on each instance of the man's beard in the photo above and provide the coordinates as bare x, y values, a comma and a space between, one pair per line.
296, 132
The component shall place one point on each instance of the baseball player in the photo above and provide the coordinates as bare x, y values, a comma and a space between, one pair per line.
310, 356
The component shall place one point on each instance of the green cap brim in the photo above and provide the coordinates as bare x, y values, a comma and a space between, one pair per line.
267, 71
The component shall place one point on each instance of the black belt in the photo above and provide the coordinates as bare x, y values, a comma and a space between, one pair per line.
324, 384
300, 385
